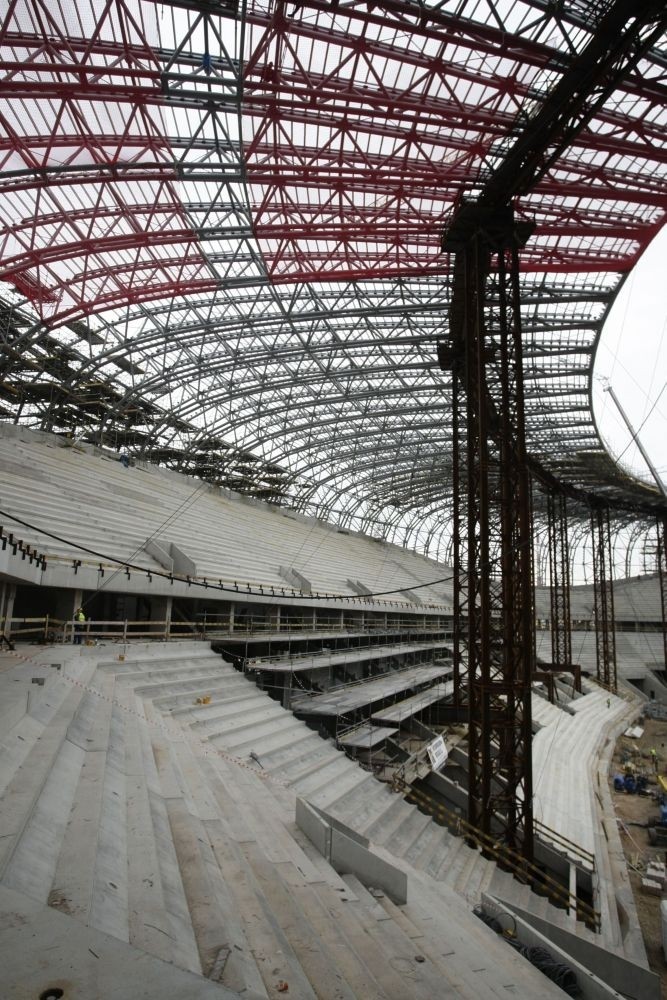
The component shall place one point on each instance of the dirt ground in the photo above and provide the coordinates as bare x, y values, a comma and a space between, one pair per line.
639, 809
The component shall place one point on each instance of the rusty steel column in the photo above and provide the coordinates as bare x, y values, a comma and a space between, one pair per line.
559, 580
459, 550
603, 597
485, 338
661, 558
513, 676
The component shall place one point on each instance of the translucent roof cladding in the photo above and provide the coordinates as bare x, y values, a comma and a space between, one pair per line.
359, 117
248, 218
107, 110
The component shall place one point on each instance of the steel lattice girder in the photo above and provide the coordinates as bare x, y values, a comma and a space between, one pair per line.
246, 217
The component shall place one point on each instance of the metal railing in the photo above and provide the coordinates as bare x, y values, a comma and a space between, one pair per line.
351, 654
523, 870
564, 843
48, 628
252, 625
126, 630
40, 629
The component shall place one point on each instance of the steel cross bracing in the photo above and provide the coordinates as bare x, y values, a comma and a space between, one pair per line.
486, 344
398, 122
559, 582
661, 560
224, 235
484, 349
603, 597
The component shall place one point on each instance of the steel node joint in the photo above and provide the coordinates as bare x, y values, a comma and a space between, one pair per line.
494, 226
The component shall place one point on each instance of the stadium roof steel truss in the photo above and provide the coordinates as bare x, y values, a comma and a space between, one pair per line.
221, 226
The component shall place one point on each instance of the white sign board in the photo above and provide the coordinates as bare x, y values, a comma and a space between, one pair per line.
437, 752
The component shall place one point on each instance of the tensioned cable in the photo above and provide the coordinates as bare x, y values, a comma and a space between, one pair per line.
637, 432
182, 507
270, 589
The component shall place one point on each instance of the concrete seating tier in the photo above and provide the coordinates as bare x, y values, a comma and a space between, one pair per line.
352, 697
351, 655
85, 494
636, 599
273, 742
638, 656
120, 817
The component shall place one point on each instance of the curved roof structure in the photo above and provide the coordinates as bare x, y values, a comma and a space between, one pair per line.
221, 229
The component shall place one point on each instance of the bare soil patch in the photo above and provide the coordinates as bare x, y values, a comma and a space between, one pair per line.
635, 812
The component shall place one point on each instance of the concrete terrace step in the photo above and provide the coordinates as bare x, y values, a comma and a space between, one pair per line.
278, 761
431, 839
478, 880
433, 857
156, 657
160, 661
24, 788
256, 714
361, 964
404, 836
179, 681
198, 821
56, 860
225, 690
88, 963
308, 759
387, 821
473, 862
175, 923
34, 714
423, 979
476, 959
30, 866
266, 745
278, 731
272, 864
220, 690
269, 943
109, 905
363, 803
312, 933
161, 673
155, 923
204, 714
443, 863
72, 888
327, 772
330, 797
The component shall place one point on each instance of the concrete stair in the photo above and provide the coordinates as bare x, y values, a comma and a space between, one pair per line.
158, 830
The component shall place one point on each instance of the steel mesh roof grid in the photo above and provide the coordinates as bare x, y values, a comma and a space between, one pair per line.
181, 233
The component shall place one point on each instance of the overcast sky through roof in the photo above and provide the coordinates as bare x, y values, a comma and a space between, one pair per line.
632, 357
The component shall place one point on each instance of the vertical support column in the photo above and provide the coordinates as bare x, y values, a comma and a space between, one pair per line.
603, 597
514, 665
661, 553
559, 580
7, 597
459, 554
485, 341
480, 642
161, 608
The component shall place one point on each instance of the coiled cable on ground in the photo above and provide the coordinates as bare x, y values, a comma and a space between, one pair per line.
559, 973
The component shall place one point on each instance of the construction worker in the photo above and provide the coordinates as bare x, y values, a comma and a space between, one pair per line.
654, 758
79, 621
